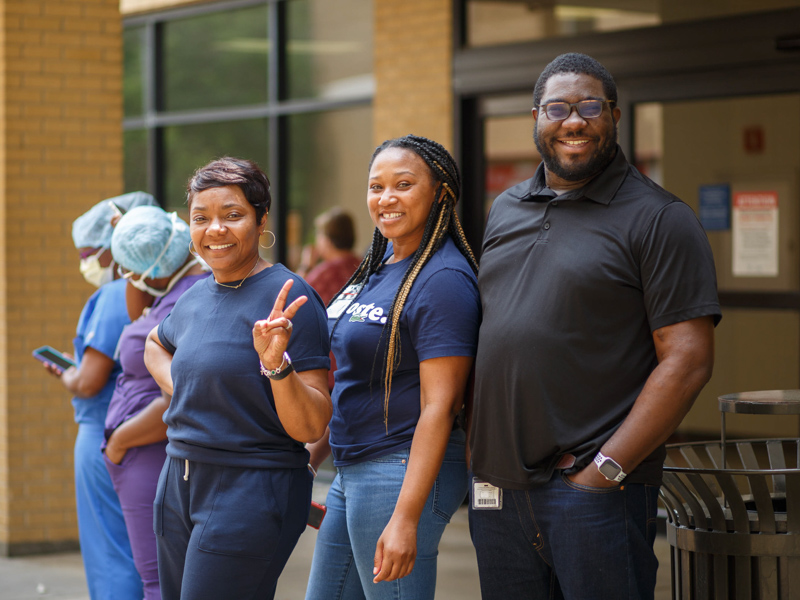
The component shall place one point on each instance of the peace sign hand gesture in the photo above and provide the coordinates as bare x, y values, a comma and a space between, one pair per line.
271, 335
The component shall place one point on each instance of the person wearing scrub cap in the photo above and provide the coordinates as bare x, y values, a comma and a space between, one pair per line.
91, 233
107, 558
151, 248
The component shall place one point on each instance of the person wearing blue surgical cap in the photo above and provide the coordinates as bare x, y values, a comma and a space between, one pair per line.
151, 248
107, 557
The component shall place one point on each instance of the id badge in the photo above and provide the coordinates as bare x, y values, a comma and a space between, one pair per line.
486, 496
344, 299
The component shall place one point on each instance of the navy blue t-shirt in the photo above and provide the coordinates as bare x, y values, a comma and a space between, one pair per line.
222, 411
441, 317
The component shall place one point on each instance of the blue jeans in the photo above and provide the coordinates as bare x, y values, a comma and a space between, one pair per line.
567, 541
360, 503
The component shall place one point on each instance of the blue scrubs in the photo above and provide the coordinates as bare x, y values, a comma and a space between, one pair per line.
107, 558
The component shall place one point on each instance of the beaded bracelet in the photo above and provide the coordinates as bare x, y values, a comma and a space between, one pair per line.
280, 372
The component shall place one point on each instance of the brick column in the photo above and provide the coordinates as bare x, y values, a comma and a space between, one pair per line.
413, 69
60, 152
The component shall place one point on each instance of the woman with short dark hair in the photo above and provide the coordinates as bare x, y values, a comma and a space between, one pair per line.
249, 388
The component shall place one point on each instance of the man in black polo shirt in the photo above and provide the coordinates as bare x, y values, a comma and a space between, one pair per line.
599, 304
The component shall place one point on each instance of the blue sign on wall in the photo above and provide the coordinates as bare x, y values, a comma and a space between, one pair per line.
715, 206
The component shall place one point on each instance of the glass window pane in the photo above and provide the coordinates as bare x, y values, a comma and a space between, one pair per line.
216, 60
133, 46
135, 149
188, 147
754, 152
329, 49
511, 155
329, 154
648, 144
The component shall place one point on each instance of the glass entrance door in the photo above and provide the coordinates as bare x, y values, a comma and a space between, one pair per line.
736, 162
508, 149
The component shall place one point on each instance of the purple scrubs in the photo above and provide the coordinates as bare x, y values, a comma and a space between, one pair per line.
136, 477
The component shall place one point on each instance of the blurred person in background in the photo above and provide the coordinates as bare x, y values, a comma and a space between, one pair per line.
249, 388
107, 558
329, 262
151, 248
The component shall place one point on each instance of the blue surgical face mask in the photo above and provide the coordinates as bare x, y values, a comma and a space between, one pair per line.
93, 272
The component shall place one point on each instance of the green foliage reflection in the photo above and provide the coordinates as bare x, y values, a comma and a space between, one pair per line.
216, 60
188, 147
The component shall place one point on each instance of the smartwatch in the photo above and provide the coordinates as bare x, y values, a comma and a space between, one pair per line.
609, 468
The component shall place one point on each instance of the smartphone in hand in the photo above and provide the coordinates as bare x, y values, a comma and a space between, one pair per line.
46, 354
316, 514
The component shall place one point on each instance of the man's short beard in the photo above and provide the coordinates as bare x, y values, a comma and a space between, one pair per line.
599, 161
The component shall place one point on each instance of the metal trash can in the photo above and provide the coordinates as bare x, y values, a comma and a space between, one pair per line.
734, 533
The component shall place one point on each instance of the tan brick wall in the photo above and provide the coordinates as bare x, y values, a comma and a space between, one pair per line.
60, 152
413, 69
4, 458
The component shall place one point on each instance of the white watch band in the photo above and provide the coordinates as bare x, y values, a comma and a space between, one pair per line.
601, 460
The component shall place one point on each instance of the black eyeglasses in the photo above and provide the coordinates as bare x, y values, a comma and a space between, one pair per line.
588, 109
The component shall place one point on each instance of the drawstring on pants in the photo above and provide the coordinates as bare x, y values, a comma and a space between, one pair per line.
186, 471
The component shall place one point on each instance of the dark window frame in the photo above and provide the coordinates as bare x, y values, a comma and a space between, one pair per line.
276, 109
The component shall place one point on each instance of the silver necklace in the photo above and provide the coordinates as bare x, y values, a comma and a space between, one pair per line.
237, 286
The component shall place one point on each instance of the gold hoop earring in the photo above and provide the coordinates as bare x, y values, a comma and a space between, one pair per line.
192, 251
274, 239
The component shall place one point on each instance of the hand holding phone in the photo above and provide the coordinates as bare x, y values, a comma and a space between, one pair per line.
51, 356
316, 514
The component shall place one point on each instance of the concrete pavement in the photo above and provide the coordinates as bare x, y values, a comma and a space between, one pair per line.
61, 575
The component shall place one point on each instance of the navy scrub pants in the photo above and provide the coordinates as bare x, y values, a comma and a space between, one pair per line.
226, 532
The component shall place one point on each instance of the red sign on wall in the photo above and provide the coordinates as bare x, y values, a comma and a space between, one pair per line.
753, 138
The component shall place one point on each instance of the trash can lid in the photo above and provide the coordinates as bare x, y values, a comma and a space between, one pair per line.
770, 402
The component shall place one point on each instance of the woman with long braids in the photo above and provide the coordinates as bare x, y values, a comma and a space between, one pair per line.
404, 332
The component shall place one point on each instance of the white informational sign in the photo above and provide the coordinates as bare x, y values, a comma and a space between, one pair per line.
755, 234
